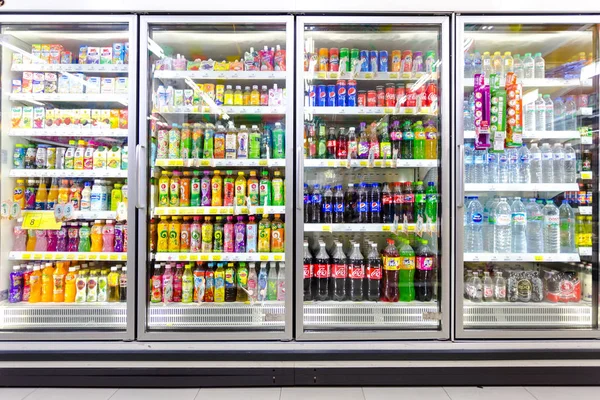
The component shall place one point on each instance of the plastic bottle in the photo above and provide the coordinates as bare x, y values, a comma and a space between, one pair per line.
408, 138
549, 112
242, 282
547, 164
272, 282
230, 283
96, 236
47, 283
539, 66
277, 235
356, 274
20, 239
528, 66
518, 226
339, 273
480, 159
518, 66
15, 291
567, 228
524, 165
535, 226
373, 274
167, 284
569, 164
560, 111
265, 191
278, 140
540, 114
35, 285
475, 288
70, 287
103, 286
406, 272
419, 141
362, 205
252, 282
425, 265
558, 161
529, 117
551, 228
431, 203
391, 264
84, 238
474, 227
570, 114
486, 64
535, 164
308, 272
262, 282
322, 274
503, 167
513, 164
41, 242
281, 282
488, 287
508, 63
108, 236
499, 286
502, 227
492, 167
489, 221
498, 64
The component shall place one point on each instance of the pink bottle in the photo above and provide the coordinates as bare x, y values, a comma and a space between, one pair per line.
41, 243
61, 239
73, 240
228, 235
20, 241
240, 235
108, 237
195, 235
52, 239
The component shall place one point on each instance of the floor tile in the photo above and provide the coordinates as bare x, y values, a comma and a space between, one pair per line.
15, 393
488, 393
321, 393
561, 393
396, 393
155, 394
239, 393
71, 394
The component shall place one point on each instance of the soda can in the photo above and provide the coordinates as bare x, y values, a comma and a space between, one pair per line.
383, 61
380, 96
330, 95
396, 61
407, 62
400, 95
390, 95
323, 59
421, 96
589, 197
312, 96
431, 96
371, 98
364, 60
354, 59
344, 59
321, 96
430, 62
373, 60
334, 60
51, 158
351, 100
361, 98
341, 93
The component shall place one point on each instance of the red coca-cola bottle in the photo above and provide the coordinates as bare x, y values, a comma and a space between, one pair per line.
408, 203
331, 144
356, 274
339, 273
391, 261
322, 273
308, 273
373, 281
398, 197
342, 145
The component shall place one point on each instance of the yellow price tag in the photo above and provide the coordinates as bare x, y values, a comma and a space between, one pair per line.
37, 256
368, 75
124, 257
217, 258
586, 174
204, 258
326, 228
212, 210
393, 75
388, 110
182, 257
343, 163
103, 256
193, 257
40, 220
26, 257
47, 256
264, 258
205, 163
363, 163
92, 256
411, 228
114, 256
321, 75
81, 257
278, 258
386, 228
334, 75
70, 256
175, 163
538, 258
262, 163
260, 210
59, 256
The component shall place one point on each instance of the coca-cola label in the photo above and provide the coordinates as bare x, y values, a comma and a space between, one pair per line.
407, 263
386, 199
356, 272
374, 273
425, 263
322, 270
391, 263
398, 198
339, 271
308, 271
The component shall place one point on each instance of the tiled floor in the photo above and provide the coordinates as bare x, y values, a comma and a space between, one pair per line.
309, 393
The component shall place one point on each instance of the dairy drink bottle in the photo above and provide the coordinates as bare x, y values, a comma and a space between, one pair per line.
391, 263
567, 228
535, 164
551, 228
362, 204
558, 159
327, 206
560, 111
513, 165
473, 227
316, 200
322, 274
502, 228
535, 220
499, 286
338, 205
350, 199
518, 226
469, 163
540, 114
503, 172
524, 165
549, 112
406, 272
539, 66
373, 274
425, 264
570, 114
569, 164
547, 164
308, 272
528, 66
492, 167
488, 287
356, 274
480, 159
339, 273
375, 204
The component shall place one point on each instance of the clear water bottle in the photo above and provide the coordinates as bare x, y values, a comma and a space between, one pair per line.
524, 165
558, 163
518, 226
518, 66
492, 167
513, 164
499, 286
535, 164
498, 64
529, 117
476, 293
503, 173
469, 65
488, 287
486, 64
549, 112
540, 114
535, 235
476, 63
551, 228
489, 219
567, 228
560, 111
570, 114
509, 65
469, 124
502, 228
540, 66
570, 167
547, 163
469, 163
474, 227
528, 66
480, 158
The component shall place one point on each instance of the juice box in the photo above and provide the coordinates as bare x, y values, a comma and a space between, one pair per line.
105, 119
66, 117
16, 117
93, 55
17, 58
93, 84
49, 118
107, 85
85, 118
126, 53
66, 57
37, 84
178, 98
106, 55
27, 117
123, 119
17, 86
45, 53
188, 97
76, 84
27, 83
121, 85
113, 158
96, 119
64, 84
50, 82
118, 53
114, 119
38, 117
55, 50
36, 51
75, 118
83, 54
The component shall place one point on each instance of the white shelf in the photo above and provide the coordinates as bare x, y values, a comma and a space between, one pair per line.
423, 111
390, 228
521, 257
541, 135
233, 110
83, 132
543, 83
364, 76
327, 163
68, 173
521, 187
225, 257
71, 97
219, 210
214, 162
240, 75
85, 215
120, 68
66, 256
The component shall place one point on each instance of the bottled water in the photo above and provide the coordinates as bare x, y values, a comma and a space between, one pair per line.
560, 112
486, 64
476, 63
527, 66
540, 66
535, 236
540, 114
480, 158
524, 165
508, 63
503, 173
551, 228
558, 163
473, 227
469, 163
549, 113
488, 287
529, 117
570, 114
547, 162
499, 286
567, 228
518, 226
513, 161
469, 65
502, 229
535, 164
489, 221
570, 164
492, 167
518, 66
468, 117
498, 64
476, 288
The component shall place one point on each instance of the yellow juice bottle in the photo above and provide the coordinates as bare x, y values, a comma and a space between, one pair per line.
217, 189
116, 196
63, 192
96, 236
31, 239
240, 190
70, 288
41, 196
58, 290
163, 189
162, 245
52, 194
35, 285
174, 235
47, 283
19, 193
431, 141
264, 235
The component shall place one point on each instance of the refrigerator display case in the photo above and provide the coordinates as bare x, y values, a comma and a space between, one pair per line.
372, 164
527, 163
68, 89
215, 230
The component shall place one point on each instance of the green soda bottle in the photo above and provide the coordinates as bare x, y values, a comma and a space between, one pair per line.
278, 190
408, 137
431, 206
406, 279
209, 139
84, 238
254, 143
264, 191
322, 142
278, 141
195, 190
419, 141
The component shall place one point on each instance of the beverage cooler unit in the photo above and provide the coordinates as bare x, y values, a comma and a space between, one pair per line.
372, 164
68, 91
527, 163
215, 225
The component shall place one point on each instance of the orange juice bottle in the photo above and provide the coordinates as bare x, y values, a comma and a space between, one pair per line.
47, 283
277, 235
35, 285
70, 288
41, 197
217, 189
96, 236
174, 235
52, 194
31, 239
58, 290
19, 193
63, 192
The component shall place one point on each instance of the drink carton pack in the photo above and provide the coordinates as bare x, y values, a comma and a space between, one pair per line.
107, 85
126, 53
49, 118
121, 85
36, 51
113, 158
16, 116
17, 58
55, 50
27, 83
83, 54
93, 84
93, 55
85, 118
76, 84
482, 112
66, 118
106, 55
37, 83
27, 117
123, 119
75, 118
114, 119
45, 53
50, 82
17, 86
64, 85
118, 53
38, 117
514, 121
105, 119
96, 119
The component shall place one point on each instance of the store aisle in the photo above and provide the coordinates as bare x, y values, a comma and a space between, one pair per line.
308, 393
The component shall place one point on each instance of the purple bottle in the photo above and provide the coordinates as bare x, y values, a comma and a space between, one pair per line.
118, 248
61, 239
205, 189
239, 231
73, 242
15, 294
228, 235
51, 240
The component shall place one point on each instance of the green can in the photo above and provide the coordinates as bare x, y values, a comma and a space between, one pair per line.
430, 61
344, 59
354, 55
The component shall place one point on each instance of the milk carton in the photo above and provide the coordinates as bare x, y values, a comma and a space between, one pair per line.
50, 82
93, 84
64, 84
118, 53
106, 55
93, 55
121, 85
107, 86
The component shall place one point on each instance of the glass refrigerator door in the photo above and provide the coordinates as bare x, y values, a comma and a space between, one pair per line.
216, 226
68, 88
527, 137
373, 165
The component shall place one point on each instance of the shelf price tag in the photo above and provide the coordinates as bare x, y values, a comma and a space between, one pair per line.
326, 228
193, 257
538, 257
217, 258
264, 257
204, 257
182, 257
586, 174
386, 228
278, 258
40, 220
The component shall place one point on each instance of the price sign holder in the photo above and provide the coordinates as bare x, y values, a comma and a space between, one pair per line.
40, 220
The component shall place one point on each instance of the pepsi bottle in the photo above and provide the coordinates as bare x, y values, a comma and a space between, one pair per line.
307, 204
398, 197
327, 206
350, 199
375, 201
316, 200
387, 205
362, 204
338, 205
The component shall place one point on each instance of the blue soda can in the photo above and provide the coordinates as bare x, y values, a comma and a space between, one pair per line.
351, 93
341, 93
321, 95
330, 95
312, 96
364, 60
373, 60
383, 61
